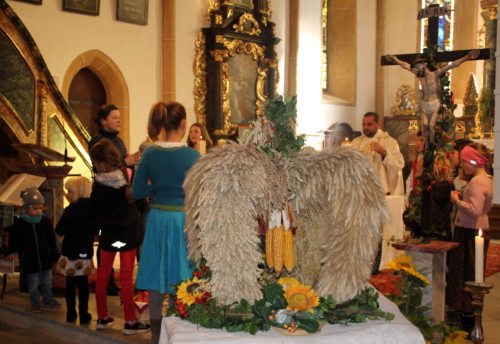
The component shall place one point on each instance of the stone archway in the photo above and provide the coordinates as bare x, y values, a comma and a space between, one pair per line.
111, 77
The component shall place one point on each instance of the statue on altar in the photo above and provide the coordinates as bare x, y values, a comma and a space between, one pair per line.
429, 102
238, 194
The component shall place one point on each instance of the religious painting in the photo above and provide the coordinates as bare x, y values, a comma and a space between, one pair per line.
19, 93
133, 11
34, 2
241, 3
236, 69
90, 7
242, 71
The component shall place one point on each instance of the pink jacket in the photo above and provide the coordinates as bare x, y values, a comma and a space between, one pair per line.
476, 203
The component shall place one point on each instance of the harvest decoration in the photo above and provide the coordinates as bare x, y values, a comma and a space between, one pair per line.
286, 304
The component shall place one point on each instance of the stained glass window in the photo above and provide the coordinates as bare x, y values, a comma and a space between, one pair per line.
445, 27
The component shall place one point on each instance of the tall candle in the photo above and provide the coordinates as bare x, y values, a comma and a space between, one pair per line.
202, 146
479, 259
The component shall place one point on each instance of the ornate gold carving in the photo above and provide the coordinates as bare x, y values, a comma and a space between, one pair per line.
220, 55
406, 102
230, 13
200, 83
218, 19
42, 117
471, 103
460, 129
219, 39
260, 91
213, 5
237, 46
247, 24
229, 129
413, 125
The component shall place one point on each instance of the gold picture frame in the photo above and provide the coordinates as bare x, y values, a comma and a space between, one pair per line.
132, 11
89, 7
236, 58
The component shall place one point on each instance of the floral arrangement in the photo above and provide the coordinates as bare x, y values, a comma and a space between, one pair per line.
403, 285
287, 304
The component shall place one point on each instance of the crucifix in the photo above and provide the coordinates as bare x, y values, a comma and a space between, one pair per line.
430, 101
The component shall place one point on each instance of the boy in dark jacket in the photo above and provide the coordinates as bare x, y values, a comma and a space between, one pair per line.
32, 236
79, 227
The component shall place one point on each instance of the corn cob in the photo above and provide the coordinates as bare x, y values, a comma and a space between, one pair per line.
278, 238
288, 261
269, 248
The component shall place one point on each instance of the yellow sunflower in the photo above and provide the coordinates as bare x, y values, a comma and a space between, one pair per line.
286, 282
400, 262
404, 263
188, 291
301, 298
456, 337
416, 274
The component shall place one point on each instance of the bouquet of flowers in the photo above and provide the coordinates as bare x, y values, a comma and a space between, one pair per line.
403, 285
287, 304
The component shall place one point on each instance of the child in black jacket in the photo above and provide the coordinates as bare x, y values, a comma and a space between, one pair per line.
79, 227
119, 223
32, 236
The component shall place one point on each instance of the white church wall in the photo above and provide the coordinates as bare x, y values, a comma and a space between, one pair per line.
314, 113
400, 38
135, 49
279, 15
191, 16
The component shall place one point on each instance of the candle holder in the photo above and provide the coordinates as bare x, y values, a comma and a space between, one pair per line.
478, 290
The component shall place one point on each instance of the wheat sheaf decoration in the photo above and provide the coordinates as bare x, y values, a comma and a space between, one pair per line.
334, 197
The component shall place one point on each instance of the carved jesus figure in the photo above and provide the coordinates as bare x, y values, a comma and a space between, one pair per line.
429, 101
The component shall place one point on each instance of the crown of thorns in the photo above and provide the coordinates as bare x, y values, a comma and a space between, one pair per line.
417, 61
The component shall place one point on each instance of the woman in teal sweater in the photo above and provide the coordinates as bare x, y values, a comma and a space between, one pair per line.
160, 175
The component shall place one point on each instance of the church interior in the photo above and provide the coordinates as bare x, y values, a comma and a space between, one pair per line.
224, 60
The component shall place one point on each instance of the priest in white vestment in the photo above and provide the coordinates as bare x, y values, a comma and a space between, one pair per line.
383, 151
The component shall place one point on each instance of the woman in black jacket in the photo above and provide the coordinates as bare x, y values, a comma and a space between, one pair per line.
79, 227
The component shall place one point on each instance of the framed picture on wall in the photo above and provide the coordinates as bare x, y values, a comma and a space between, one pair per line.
90, 7
34, 2
133, 11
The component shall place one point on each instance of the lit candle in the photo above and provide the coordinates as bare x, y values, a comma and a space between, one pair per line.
201, 146
346, 142
479, 261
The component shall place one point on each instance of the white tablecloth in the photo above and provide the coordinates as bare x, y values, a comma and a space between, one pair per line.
398, 331
394, 228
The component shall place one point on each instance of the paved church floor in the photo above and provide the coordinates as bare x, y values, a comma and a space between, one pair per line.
18, 325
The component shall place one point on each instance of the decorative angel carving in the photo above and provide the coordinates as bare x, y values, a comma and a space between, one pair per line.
339, 208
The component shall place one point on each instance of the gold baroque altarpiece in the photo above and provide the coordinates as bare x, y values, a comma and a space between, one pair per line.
235, 65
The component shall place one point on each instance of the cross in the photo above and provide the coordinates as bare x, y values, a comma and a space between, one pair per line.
433, 12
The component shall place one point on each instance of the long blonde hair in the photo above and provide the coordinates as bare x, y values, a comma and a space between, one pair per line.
80, 186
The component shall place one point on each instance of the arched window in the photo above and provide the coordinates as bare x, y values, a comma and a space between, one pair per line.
339, 50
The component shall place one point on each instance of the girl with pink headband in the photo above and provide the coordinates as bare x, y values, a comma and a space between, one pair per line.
472, 214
